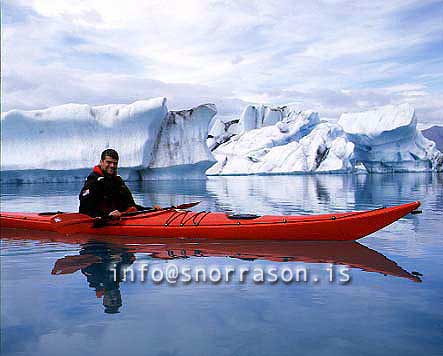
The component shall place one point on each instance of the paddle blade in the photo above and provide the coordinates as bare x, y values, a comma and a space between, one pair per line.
71, 264
187, 205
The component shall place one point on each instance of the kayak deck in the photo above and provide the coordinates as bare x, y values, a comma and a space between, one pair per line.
206, 225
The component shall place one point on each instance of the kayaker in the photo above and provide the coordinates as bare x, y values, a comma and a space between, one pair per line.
105, 192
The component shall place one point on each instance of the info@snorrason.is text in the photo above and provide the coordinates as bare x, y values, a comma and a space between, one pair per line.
172, 273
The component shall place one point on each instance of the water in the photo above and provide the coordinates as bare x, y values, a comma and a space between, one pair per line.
57, 296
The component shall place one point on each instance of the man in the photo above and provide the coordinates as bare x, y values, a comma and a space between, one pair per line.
105, 193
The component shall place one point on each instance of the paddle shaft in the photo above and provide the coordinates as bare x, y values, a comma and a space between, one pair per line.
68, 223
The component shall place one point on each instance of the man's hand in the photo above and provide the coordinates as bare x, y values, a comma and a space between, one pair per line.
115, 215
131, 209
157, 207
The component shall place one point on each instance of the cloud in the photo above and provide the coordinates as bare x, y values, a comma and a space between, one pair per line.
329, 56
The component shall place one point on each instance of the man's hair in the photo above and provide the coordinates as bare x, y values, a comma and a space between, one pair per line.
109, 152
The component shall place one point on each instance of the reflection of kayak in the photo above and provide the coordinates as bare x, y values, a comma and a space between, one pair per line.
351, 254
207, 225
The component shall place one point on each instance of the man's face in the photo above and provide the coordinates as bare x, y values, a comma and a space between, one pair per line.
109, 165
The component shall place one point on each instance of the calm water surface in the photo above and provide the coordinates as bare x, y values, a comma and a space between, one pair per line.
57, 296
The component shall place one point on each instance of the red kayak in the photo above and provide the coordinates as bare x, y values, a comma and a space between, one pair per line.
176, 223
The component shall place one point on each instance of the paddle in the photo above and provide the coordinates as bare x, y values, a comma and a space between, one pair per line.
70, 223
71, 264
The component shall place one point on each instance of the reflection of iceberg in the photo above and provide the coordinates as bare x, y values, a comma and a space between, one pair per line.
255, 194
283, 194
317, 193
383, 189
297, 194
342, 253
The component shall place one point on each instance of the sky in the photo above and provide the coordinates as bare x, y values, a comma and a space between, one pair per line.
328, 56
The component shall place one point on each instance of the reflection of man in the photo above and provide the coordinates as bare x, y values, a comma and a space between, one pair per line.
104, 192
105, 277
103, 265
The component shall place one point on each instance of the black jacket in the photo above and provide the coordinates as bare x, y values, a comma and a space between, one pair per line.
103, 193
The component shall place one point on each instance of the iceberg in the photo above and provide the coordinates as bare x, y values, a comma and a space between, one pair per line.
221, 129
387, 140
62, 143
180, 149
283, 140
255, 117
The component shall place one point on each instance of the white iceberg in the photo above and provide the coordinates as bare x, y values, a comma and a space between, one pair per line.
287, 141
255, 117
387, 140
62, 143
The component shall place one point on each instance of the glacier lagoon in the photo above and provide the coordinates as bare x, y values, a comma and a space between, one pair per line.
382, 310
